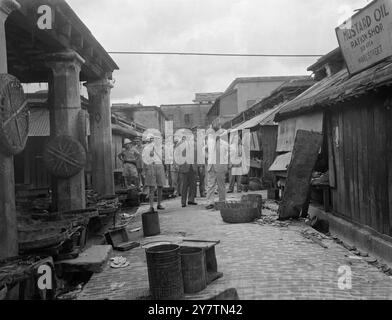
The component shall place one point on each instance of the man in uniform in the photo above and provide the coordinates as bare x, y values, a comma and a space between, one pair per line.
130, 157
154, 176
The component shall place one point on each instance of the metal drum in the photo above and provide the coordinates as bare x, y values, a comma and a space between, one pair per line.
151, 225
164, 272
193, 267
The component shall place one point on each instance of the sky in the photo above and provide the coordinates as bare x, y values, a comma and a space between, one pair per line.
233, 26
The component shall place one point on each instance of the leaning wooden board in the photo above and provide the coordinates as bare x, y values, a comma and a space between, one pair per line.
306, 149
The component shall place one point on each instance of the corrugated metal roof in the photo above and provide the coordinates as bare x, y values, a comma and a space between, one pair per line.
338, 88
264, 119
39, 124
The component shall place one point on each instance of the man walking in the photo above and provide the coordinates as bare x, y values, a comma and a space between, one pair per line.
216, 169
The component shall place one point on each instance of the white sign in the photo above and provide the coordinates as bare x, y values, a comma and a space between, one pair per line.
366, 38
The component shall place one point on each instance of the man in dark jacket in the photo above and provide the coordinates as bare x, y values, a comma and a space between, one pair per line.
188, 172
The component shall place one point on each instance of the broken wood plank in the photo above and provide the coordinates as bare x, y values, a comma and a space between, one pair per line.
306, 149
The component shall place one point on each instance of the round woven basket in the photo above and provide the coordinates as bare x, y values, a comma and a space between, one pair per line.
239, 212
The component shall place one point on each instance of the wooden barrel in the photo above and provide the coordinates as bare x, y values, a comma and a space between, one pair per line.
14, 116
64, 157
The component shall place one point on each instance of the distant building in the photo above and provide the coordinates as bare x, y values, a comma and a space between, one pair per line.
150, 117
191, 115
242, 94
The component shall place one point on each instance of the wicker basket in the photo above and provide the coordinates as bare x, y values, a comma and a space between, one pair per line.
239, 212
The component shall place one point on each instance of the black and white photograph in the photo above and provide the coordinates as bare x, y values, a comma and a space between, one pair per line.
190, 156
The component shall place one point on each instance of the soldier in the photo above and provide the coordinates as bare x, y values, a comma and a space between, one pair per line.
130, 158
155, 177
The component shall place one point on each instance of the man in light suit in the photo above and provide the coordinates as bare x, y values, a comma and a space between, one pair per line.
188, 173
216, 169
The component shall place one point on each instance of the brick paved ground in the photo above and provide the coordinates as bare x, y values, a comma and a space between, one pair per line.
260, 261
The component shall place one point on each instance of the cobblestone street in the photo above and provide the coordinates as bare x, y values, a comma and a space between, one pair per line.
260, 261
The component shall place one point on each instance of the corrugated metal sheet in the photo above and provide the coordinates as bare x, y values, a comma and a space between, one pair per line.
39, 124
338, 88
281, 162
264, 119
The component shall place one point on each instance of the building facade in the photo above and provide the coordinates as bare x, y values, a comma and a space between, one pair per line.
242, 94
150, 117
191, 115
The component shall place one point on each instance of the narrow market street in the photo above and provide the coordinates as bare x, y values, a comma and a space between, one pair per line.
194, 150
262, 261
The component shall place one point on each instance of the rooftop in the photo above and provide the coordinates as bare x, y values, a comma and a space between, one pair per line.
339, 87
263, 79
27, 45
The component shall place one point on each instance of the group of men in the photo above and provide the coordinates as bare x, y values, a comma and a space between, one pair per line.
181, 177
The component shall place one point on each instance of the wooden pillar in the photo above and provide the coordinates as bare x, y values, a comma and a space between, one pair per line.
101, 136
8, 221
65, 90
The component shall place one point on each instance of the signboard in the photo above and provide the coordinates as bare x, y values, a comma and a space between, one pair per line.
366, 38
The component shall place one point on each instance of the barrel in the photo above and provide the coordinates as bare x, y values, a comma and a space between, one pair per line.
164, 272
193, 268
150, 223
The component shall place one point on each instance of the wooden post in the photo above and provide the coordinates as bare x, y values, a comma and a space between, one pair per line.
101, 136
66, 66
8, 221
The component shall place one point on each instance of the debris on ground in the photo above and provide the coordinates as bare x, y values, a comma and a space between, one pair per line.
272, 220
365, 256
315, 237
119, 262
117, 285
318, 224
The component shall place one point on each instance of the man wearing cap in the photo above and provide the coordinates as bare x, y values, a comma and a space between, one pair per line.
130, 158
154, 174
